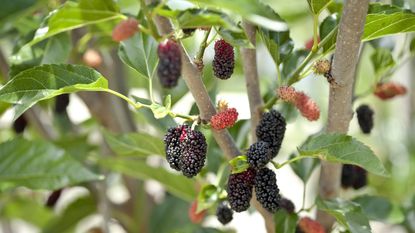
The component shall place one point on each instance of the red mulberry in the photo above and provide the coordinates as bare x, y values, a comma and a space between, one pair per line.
193, 215
271, 129
365, 118
308, 225
224, 213
223, 61
170, 63
125, 29
259, 154
240, 189
224, 119
389, 90
266, 189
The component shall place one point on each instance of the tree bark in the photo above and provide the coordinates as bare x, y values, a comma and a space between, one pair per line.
340, 103
255, 105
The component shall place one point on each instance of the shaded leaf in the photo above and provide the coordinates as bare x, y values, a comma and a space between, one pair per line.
293, 61
303, 168
67, 220
374, 207
278, 43
140, 53
239, 164
316, 6
328, 28
39, 165
382, 61
285, 222
207, 197
176, 184
343, 149
136, 144
47, 81
196, 18
39, 215
75, 15
347, 213
237, 39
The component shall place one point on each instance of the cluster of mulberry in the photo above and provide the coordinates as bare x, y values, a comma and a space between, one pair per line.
308, 225
224, 60
170, 63
389, 90
307, 107
224, 214
365, 118
185, 149
353, 176
125, 29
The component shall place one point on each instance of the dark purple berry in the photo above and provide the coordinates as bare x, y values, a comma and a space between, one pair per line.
287, 205
266, 189
353, 176
224, 213
61, 103
19, 125
240, 189
193, 147
172, 145
259, 154
365, 118
271, 129
223, 61
170, 63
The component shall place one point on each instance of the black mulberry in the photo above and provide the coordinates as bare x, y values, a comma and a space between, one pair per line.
353, 176
240, 189
224, 60
170, 63
61, 103
19, 125
193, 147
287, 204
259, 154
172, 145
271, 129
266, 189
365, 118
224, 213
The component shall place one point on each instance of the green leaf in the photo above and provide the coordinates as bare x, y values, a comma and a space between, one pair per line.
136, 144
196, 18
293, 61
342, 148
237, 39
412, 46
316, 6
140, 53
382, 61
347, 213
384, 20
176, 184
74, 15
303, 168
12, 9
375, 208
252, 10
47, 81
239, 164
328, 28
16, 208
285, 222
39, 165
278, 43
207, 197
68, 219
54, 50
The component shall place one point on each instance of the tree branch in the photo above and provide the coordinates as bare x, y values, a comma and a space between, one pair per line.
255, 105
340, 103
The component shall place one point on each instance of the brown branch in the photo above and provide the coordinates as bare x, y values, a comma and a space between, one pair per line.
340, 103
255, 105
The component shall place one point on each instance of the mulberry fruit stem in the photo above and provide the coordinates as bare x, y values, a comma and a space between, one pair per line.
203, 45
315, 33
280, 165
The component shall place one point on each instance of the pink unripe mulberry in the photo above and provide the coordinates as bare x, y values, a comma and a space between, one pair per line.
287, 94
307, 107
224, 119
125, 29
